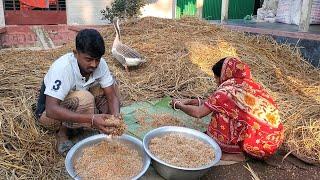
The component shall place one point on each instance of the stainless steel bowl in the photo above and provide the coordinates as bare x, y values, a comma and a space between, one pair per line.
76, 151
169, 171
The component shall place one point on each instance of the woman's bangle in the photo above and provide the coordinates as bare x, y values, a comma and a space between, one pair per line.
92, 120
174, 105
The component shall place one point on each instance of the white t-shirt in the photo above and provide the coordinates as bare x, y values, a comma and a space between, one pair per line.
64, 75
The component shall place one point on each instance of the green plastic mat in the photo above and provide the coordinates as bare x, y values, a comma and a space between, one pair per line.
159, 107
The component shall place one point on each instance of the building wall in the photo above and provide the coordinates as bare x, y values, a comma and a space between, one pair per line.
2, 20
86, 12
159, 8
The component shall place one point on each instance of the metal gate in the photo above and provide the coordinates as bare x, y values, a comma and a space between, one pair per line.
238, 9
186, 8
17, 13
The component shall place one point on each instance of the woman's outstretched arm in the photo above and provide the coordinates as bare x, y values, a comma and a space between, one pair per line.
190, 109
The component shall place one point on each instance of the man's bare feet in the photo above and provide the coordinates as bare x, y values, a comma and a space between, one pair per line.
63, 144
233, 157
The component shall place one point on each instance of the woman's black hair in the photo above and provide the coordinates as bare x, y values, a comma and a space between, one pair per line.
90, 41
216, 69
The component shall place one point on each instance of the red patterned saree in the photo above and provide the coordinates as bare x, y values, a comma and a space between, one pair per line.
245, 118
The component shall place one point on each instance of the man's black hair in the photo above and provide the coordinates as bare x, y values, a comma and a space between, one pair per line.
90, 41
218, 67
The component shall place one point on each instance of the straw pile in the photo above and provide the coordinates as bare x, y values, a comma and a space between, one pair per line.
179, 55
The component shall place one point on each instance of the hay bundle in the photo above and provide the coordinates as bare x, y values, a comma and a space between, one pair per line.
26, 151
180, 54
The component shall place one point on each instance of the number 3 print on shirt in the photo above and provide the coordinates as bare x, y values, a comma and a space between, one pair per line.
57, 86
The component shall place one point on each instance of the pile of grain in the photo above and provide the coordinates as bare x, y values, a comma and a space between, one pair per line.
121, 125
179, 55
147, 121
156, 120
108, 160
182, 151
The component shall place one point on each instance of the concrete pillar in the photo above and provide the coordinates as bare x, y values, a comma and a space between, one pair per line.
199, 8
224, 10
305, 15
174, 8
2, 20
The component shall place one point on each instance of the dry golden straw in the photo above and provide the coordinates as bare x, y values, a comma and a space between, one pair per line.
254, 176
179, 54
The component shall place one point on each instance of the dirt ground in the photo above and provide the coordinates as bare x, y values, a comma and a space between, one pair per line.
274, 168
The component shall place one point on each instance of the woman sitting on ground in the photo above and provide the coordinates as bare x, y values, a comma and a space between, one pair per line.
244, 116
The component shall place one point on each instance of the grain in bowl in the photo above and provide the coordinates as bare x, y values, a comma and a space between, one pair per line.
182, 151
108, 160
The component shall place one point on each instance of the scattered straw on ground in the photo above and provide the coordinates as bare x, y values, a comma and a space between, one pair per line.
254, 176
179, 55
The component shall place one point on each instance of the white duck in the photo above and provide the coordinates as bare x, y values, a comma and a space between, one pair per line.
123, 53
